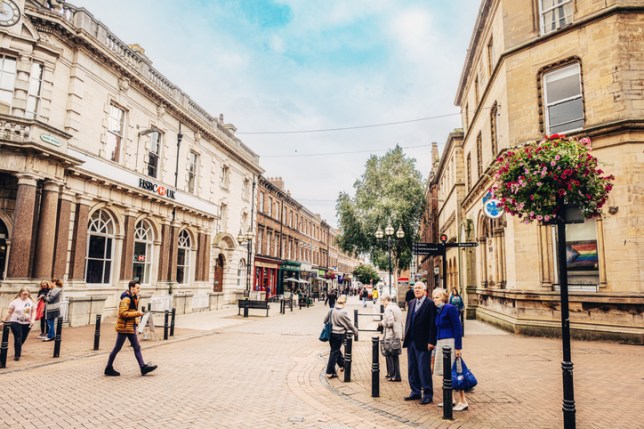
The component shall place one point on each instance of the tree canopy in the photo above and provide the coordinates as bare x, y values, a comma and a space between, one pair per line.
366, 274
390, 191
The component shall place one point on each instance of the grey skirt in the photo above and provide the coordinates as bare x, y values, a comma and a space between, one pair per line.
438, 357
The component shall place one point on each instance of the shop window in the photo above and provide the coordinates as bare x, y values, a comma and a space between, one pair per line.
100, 245
563, 99
554, 14
7, 80
183, 258
154, 154
33, 94
143, 251
114, 137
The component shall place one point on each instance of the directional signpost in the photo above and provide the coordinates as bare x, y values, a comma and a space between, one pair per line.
439, 249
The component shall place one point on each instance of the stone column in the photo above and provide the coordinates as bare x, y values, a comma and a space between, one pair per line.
62, 234
128, 246
174, 249
164, 254
206, 257
200, 253
79, 248
46, 236
23, 221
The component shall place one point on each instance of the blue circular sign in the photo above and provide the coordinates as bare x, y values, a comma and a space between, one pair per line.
492, 209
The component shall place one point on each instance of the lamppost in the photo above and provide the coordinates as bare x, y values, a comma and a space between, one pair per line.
248, 239
389, 231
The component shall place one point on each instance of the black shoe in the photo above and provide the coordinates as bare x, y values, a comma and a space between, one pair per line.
111, 372
412, 398
395, 379
426, 400
16, 358
148, 368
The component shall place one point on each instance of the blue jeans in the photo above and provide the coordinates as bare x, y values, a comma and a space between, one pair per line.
51, 333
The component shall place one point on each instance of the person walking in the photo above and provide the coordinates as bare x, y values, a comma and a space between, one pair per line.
52, 309
364, 295
341, 324
21, 314
420, 340
392, 323
448, 326
409, 295
457, 301
40, 308
128, 318
331, 297
374, 295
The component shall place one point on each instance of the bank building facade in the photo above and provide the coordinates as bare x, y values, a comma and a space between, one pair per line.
109, 172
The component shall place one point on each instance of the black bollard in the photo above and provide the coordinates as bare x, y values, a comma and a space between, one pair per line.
375, 367
246, 305
59, 336
355, 318
447, 383
4, 347
382, 309
97, 332
174, 313
165, 324
348, 347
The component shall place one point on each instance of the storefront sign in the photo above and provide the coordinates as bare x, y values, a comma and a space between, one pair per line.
156, 188
266, 264
290, 267
50, 139
492, 209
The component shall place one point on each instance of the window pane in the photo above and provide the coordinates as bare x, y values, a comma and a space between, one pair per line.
566, 116
94, 271
563, 88
180, 274
138, 271
181, 259
106, 274
139, 252
96, 246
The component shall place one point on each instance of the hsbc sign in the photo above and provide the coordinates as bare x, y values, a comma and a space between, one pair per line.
160, 190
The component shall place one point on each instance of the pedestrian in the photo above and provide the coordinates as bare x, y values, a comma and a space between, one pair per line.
374, 295
457, 301
341, 324
364, 294
268, 292
392, 323
409, 295
40, 308
420, 340
52, 309
21, 314
128, 318
331, 297
448, 327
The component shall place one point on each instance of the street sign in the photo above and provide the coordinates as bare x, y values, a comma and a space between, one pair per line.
434, 249
465, 244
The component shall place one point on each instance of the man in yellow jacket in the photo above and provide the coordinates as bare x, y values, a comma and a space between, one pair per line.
128, 318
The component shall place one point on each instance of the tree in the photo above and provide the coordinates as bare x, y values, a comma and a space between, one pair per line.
390, 191
366, 274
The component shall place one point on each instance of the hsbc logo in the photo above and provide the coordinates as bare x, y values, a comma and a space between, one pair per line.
160, 190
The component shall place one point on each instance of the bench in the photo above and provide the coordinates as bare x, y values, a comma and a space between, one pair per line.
247, 304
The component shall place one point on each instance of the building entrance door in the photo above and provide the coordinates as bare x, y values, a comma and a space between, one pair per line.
4, 235
219, 274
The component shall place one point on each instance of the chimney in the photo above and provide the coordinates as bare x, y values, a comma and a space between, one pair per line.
277, 181
435, 156
221, 118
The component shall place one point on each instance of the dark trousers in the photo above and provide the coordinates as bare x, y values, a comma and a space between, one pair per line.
419, 371
20, 332
393, 366
120, 340
335, 356
43, 326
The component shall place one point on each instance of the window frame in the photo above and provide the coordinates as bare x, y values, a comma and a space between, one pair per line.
543, 12
117, 135
104, 226
184, 243
154, 169
144, 234
8, 87
192, 174
34, 96
547, 104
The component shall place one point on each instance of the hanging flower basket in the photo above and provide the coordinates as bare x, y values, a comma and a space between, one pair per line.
536, 180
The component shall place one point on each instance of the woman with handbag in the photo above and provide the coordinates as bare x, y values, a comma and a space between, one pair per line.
392, 324
449, 333
40, 308
341, 324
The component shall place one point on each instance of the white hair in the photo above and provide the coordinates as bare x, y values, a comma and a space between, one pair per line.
385, 297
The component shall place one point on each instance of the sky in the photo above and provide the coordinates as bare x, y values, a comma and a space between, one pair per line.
281, 70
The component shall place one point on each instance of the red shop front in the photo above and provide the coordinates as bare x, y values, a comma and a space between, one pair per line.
266, 272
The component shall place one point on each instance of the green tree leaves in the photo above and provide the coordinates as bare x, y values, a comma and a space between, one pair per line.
366, 274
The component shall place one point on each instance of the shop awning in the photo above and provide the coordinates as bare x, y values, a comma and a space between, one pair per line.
294, 280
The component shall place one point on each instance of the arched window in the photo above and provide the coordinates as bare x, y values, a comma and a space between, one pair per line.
183, 258
100, 244
143, 240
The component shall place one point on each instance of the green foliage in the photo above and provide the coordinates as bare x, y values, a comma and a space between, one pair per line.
390, 191
366, 274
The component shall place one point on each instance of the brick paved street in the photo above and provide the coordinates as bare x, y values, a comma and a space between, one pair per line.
223, 371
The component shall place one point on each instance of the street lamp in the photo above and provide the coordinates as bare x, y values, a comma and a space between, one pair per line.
389, 231
248, 239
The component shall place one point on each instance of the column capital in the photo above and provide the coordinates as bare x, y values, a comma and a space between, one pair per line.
131, 212
52, 186
83, 199
27, 179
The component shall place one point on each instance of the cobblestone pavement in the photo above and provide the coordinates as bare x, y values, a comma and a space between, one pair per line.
223, 371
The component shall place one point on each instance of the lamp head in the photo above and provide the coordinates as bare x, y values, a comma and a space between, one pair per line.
389, 230
240, 237
379, 233
400, 233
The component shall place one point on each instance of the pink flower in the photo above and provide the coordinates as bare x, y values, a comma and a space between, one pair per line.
546, 218
557, 157
539, 217
552, 163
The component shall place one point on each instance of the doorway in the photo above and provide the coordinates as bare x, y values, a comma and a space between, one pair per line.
218, 286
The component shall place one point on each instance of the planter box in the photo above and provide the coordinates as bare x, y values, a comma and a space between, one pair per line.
83, 310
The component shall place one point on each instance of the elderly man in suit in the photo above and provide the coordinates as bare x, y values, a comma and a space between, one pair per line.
420, 339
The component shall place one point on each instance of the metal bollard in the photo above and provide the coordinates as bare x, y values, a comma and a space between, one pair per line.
246, 308
165, 324
375, 367
348, 347
97, 332
447, 383
355, 318
174, 313
382, 309
4, 347
59, 337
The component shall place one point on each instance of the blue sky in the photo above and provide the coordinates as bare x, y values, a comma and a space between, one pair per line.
297, 65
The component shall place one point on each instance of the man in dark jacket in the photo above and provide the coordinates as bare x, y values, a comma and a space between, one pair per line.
420, 339
409, 295
331, 297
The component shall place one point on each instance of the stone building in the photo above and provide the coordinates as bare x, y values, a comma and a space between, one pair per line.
294, 247
537, 67
109, 172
